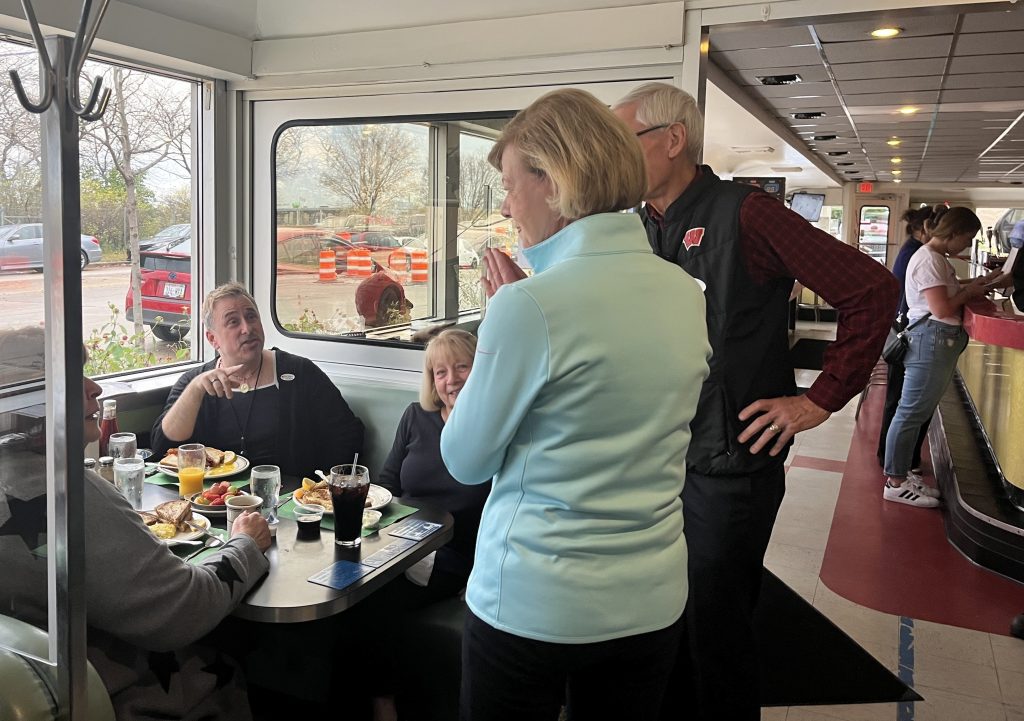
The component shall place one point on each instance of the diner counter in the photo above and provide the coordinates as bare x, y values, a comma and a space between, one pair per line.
992, 369
990, 323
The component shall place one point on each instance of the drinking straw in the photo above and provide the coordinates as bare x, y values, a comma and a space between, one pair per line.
355, 462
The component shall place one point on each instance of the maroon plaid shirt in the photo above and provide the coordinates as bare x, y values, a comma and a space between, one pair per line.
778, 243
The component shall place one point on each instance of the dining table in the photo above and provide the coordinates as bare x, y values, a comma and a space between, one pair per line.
286, 594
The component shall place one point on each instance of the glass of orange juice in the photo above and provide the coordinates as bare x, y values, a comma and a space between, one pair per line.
191, 468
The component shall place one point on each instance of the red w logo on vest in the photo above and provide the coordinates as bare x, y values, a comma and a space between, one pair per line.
693, 237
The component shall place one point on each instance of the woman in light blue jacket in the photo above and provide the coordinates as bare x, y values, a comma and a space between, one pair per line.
586, 377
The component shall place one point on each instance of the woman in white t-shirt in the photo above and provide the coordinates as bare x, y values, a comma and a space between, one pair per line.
935, 345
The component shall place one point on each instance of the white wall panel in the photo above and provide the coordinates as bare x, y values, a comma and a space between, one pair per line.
551, 34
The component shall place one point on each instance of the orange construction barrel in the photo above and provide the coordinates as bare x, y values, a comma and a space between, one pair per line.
420, 269
328, 269
359, 263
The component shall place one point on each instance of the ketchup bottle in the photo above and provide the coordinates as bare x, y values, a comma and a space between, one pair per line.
108, 425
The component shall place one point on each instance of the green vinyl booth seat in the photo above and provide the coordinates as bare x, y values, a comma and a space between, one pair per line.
27, 686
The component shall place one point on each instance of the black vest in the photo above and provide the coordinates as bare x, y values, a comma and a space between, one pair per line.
747, 323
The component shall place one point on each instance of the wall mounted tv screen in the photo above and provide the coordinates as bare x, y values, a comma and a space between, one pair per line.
807, 205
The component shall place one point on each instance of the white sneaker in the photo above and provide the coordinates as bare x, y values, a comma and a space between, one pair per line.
921, 487
908, 494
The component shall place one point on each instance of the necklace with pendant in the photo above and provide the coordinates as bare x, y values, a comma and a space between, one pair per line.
244, 388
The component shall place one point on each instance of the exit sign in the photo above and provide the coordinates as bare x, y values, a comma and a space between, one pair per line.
865, 187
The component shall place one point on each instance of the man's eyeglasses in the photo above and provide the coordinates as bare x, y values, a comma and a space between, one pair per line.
651, 129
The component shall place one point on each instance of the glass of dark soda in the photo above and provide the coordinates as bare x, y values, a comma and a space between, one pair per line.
349, 485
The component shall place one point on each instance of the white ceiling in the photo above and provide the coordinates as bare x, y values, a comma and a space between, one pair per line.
270, 19
963, 71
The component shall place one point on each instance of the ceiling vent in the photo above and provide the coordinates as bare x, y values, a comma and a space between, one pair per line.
752, 149
812, 115
846, 163
851, 172
778, 79
834, 153
825, 137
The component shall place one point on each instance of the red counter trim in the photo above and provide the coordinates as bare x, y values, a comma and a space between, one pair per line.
986, 322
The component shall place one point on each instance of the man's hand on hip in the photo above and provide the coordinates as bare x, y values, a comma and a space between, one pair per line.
780, 419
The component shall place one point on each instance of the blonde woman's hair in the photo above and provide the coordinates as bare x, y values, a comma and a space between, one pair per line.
664, 104
227, 290
593, 160
951, 222
450, 344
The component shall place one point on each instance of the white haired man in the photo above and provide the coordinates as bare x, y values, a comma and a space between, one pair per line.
747, 248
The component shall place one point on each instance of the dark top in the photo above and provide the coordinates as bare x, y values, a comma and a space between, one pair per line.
301, 425
414, 470
899, 269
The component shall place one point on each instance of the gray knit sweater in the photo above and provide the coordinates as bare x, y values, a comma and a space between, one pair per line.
146, 608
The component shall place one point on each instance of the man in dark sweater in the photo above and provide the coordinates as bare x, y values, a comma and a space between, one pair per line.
268, 405
747, 248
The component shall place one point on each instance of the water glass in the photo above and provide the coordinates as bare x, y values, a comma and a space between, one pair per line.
265, 482
129, 476
122, 445
349, 485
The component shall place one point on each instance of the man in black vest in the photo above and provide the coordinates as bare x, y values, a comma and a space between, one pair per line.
748, 248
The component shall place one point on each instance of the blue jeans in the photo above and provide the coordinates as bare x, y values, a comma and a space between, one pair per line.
930, 363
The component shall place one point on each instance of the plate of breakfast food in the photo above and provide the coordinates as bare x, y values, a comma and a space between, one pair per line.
314, 493
212, 500
219, 464
174, 522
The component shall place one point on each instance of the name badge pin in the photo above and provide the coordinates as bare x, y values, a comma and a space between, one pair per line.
287, 376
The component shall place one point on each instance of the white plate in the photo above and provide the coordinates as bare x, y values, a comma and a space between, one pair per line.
207, 509
378, 496
220, 472
190, 535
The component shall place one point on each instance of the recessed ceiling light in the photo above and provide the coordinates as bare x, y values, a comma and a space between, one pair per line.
886, 32
808, 115
897, 172
848, 163
908, 110
830, 136
894, 142
895, 161
835, 153
896, 180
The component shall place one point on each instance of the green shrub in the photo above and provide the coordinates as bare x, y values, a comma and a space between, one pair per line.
112, 349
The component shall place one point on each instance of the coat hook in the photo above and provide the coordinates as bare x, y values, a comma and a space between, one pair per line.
84, 38
48, 78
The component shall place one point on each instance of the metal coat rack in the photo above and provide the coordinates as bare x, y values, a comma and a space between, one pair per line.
61, 60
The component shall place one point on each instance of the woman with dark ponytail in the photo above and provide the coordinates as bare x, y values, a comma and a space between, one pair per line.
915, 219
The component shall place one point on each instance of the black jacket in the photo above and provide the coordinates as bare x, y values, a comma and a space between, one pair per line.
315, 427
747, 323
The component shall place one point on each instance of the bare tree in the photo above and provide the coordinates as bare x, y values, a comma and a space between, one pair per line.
371, 166
139, 130
479, 182
288, 153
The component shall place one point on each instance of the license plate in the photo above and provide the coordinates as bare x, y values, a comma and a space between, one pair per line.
174, 290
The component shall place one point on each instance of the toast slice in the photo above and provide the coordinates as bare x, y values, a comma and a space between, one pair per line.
149, 518
214, 457
175, 513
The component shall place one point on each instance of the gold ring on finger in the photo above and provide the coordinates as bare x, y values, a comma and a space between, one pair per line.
774, 428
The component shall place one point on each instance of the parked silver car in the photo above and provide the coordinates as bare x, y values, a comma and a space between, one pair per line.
21, 247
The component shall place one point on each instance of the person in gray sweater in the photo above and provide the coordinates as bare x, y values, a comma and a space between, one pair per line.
145, 607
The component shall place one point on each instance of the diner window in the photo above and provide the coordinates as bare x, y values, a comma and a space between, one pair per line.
378, 224
136, 181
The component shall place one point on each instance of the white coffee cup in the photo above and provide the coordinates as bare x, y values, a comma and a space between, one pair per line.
237, 505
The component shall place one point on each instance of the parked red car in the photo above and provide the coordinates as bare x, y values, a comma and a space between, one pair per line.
166, 291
